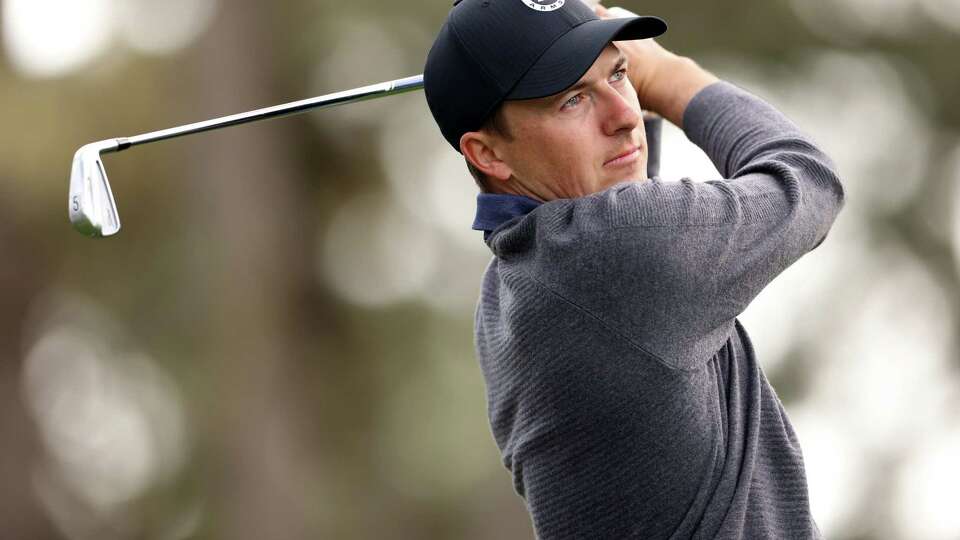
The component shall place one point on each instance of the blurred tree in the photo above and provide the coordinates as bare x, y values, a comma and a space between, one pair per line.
246, 209
22, 276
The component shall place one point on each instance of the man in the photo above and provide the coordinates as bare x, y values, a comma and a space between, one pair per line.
622, 391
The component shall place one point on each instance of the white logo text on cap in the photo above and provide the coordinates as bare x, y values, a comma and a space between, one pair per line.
544, 5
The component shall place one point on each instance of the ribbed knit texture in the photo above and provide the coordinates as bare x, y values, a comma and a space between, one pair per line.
622, 392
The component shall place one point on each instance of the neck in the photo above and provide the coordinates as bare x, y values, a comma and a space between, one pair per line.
513, 187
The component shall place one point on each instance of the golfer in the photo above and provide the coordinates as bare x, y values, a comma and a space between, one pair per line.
622, 392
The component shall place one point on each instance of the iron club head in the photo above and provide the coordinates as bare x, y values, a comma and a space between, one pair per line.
90, 204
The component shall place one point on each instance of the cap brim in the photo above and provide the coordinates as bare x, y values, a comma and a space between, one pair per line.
571, 56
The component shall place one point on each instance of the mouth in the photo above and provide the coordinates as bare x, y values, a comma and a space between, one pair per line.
629, 156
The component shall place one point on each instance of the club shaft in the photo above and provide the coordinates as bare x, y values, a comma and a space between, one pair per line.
397, 86
372, 91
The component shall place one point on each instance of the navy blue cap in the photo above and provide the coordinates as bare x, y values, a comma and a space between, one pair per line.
488, 51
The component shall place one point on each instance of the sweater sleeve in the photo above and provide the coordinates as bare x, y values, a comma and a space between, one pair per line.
668, 265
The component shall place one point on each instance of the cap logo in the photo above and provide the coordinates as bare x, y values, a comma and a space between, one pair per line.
544, 5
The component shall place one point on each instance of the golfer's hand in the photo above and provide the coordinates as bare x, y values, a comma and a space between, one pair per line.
665, 82
645, 58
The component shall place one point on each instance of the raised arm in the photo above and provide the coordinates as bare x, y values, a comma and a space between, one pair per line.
669, 264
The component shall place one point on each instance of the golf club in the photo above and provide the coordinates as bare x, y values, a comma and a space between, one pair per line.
93, 211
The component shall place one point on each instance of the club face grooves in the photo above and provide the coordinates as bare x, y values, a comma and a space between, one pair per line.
90, 205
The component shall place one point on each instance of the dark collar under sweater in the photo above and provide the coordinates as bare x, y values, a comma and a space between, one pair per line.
493, 209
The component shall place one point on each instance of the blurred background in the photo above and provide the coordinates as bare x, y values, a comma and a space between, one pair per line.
279, 342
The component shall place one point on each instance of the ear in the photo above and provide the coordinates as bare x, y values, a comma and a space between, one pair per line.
478, 148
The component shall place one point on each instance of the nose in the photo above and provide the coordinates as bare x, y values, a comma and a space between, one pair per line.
621, 112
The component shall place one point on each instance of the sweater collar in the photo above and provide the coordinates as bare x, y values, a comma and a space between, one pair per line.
494, 209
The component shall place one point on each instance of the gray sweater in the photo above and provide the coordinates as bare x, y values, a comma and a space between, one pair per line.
623, 393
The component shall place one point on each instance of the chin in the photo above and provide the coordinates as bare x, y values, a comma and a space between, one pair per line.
638, 173
612, 182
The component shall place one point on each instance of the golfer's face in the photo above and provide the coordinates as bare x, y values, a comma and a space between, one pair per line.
568, 142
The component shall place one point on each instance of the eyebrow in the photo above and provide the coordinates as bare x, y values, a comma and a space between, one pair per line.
621, 60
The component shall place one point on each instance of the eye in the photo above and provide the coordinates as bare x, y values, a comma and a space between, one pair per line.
620, 75
572, 102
